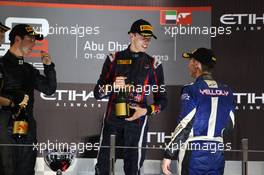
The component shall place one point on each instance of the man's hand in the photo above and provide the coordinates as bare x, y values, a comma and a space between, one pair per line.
24, 102
138, 113
120, 82
45, 57
166, 166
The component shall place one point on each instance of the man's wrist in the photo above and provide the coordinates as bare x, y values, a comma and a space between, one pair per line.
49, 66
168, 154
11, 104
145, 111
149, 110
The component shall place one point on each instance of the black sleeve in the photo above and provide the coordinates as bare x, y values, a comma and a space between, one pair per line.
48, 83
15, 96
1, 75
160, 96
1, 79
106, 78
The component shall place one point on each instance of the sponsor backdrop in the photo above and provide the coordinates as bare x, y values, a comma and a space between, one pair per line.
79, 37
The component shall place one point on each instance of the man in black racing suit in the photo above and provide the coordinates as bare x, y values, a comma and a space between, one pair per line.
20, 78
136, 68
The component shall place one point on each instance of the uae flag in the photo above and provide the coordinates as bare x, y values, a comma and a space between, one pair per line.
171, 17
175, 17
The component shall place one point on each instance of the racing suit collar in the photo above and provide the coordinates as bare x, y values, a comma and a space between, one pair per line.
14, 59
206, 76
134, 55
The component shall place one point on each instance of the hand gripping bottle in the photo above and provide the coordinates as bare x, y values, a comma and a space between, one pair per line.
20, 124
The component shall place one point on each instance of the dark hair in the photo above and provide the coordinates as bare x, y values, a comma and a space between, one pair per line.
206, 68
12, 41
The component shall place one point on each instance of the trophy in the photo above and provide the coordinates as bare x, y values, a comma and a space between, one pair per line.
59, 161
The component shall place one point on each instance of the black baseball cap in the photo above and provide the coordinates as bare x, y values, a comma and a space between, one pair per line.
23, 30
143, 28
203, 55
3, 27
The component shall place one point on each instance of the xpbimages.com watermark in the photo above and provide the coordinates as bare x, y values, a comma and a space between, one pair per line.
212, 31
213, 147
147, 89
82, 147
78, 30
62, 146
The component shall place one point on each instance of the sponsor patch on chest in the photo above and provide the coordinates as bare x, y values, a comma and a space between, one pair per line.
124, 61
214, 92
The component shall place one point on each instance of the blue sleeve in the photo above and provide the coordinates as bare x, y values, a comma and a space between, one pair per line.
187, 102
228, 130
185, 120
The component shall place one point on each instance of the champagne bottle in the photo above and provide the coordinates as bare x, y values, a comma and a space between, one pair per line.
20, 124
121, 105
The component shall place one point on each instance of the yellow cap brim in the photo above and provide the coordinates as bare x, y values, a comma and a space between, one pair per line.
186, 55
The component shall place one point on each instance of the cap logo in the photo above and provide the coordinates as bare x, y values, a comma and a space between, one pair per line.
29, 29
146, 34
213, 58
186, 55
146, 27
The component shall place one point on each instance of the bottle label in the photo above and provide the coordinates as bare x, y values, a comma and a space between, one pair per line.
20, 127
121, 109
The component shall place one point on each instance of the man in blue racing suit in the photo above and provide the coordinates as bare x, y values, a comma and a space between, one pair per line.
207, 114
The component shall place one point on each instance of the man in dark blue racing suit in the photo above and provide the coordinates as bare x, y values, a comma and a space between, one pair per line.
137, 69
207, 114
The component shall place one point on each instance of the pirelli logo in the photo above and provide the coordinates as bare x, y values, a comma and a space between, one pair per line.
124, 61
146, 27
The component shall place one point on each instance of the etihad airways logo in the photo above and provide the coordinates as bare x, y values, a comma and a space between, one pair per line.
244, 21
249, 101
74, 98
249, 98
